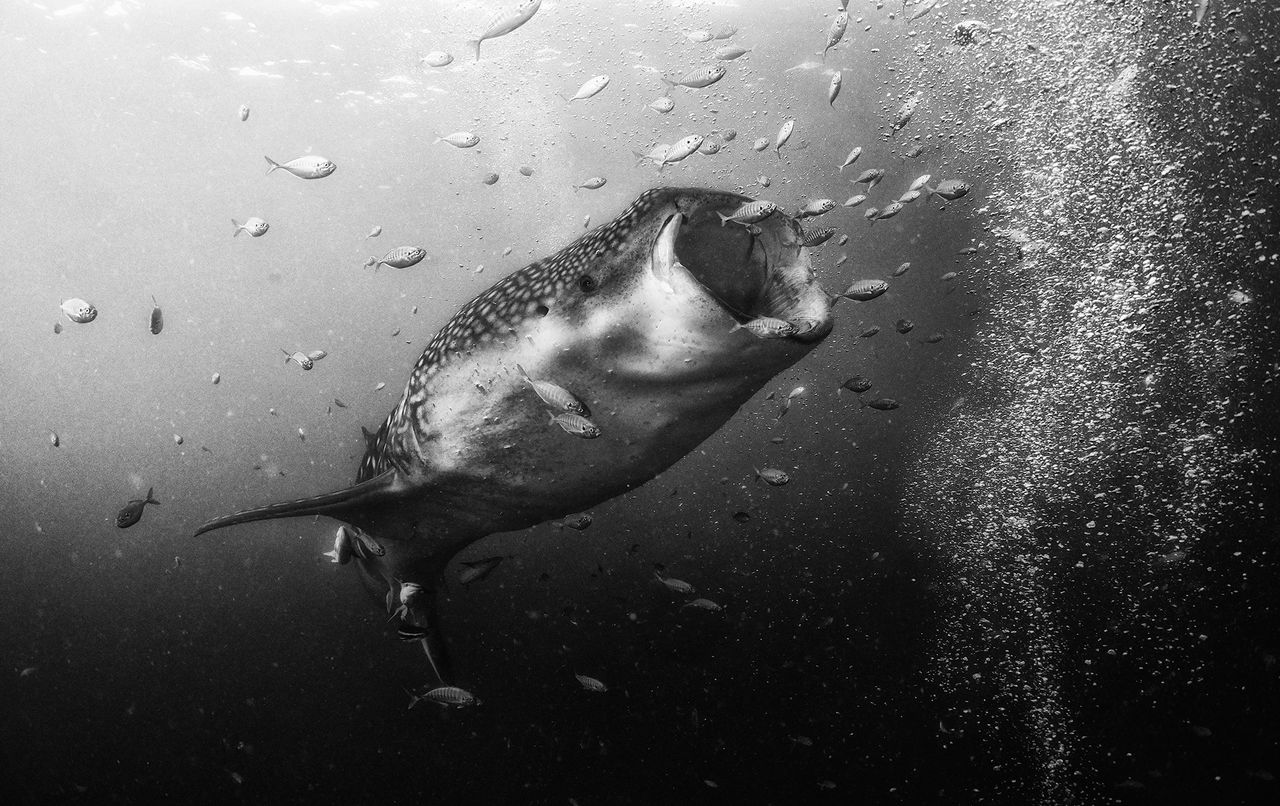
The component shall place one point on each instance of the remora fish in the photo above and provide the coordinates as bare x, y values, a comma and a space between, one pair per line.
453, 463
504, 22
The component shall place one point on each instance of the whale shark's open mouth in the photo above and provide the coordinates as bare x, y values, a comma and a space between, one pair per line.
752, 272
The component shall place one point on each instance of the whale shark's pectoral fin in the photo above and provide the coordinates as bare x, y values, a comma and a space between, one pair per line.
381, 489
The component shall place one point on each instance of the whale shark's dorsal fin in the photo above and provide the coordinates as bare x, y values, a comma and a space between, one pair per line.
360, 496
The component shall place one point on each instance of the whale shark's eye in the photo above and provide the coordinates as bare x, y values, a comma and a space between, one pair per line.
587, 283
542, 310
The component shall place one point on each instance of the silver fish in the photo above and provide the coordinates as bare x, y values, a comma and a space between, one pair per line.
437, 58
749, 213
871, 177
579, 521
374, 233
766, 327
458, 139
852, 158
673, 584
818, 237
760, 144
816, 207
921, 10
662, 104
681, 149
836, 32
920, 181
864, 290
908, 197
730, 52
453, 463
901, 270
557, 398
446, 696
890, 210
298, 357
244, 113
855, 200
402, 257
575, 424
949, 189
78, 311
857, 384
699, 78
703, 604
591, 684
506, 21
589, 88
784, 134
309, 167
772, 476
253, 225
475, 570
594, 183
906, 111
833, 89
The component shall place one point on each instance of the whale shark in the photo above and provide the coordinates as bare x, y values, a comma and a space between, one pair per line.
639, 320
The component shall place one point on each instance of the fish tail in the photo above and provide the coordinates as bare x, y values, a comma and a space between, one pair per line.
736, 326
272, 163
523, 374
475, 42
237, 226
151, 498
724, 219
367, 494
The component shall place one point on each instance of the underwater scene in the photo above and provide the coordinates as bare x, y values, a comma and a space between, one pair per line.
665, 401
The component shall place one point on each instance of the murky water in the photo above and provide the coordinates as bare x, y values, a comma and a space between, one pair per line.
1047, 576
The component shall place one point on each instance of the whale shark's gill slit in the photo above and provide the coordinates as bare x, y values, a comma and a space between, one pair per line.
365, 494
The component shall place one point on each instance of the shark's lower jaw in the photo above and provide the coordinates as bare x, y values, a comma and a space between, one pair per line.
761, 271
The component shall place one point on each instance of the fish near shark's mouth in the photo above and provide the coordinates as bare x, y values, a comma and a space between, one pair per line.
750, 273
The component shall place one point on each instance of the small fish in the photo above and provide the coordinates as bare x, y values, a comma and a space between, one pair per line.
558, 398
703, 604
402, 257
881, 404
764, 181
772, 476
816, 207
374, 233
316, 355
339, 403
216, 379
949, 189
157, 317
799, 391
79, 311
933, 338
437, 58
575, 424
254, 226
913, 152
784, 134
698, 36
504, 22
656, 155
302, 435
709, 147
968, 250
833, 89
177, 439
1202, 8
870, 214
490, 178
948, 277
855, 200
852, 157
826, 784
594, 183
525, 170
724, 32
57, 328
729, 135
54, 439
445, 696
904, 326
309, 167
906, 111
28, 671
766, 327
869, 332
699, 78
741, 517
132, 512
844, 239
342, 549
298, 357
730, 52
901, 270
890, 210
244, 112
590, 87
864, 290
458, 139
908, 197
578, 521
870, 177
857, 384
818, 236
681, 149
760, 144
476, 570
676, 585
591, 684
381, 385
836, 32
662, 104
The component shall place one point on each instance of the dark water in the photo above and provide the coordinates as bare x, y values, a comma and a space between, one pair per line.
1048, 577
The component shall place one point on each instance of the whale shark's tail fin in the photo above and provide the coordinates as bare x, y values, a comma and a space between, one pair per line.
338, 503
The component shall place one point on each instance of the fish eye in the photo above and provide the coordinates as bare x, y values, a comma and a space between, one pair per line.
542, 310
587, 283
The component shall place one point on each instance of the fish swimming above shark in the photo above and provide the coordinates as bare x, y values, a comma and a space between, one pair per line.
635, 317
